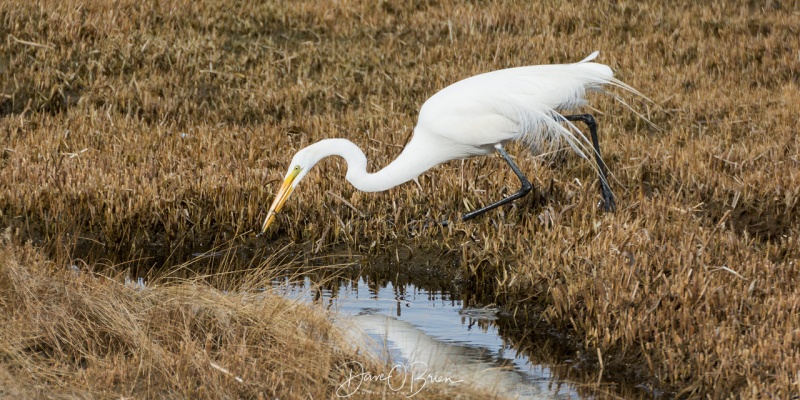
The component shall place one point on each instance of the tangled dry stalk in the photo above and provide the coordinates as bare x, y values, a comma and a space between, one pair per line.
129, 123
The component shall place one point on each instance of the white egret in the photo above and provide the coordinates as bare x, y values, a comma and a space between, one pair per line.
475, 117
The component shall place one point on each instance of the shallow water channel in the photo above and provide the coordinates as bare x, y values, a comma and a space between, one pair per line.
419, 318
430, 334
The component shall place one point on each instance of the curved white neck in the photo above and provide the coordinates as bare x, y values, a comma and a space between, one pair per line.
413, 161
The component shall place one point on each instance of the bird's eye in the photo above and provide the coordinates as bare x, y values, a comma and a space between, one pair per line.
297, 168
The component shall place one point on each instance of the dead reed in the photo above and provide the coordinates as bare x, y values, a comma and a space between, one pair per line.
130, 124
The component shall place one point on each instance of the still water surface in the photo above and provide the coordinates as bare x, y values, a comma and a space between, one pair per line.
434, 334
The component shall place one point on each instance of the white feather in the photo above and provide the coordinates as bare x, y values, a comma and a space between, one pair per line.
521, 103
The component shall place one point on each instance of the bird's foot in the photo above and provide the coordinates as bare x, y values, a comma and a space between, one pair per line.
608, 203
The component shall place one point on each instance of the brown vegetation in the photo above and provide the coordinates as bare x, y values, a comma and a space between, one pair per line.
134, 124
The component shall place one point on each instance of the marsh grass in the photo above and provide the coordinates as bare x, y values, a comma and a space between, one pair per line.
77, 333
133, 125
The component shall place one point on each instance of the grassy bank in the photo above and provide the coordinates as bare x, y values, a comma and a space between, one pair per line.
133, 126
77, 333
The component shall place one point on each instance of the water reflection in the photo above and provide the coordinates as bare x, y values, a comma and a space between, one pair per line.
410, 326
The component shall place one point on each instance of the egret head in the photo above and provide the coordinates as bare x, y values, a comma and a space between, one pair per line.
298, 168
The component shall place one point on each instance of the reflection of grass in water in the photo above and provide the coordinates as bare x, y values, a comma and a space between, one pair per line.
129, 124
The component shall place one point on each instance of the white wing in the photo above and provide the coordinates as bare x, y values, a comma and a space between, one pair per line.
513, 104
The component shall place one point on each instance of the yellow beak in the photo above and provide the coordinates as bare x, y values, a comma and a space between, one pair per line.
283, 194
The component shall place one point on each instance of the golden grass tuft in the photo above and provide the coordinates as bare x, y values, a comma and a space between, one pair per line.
144, 125
82, 334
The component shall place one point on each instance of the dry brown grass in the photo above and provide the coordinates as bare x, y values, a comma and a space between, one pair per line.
81, 334
164, 122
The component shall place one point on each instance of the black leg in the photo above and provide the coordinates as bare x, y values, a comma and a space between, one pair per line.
608, 197
526, 187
